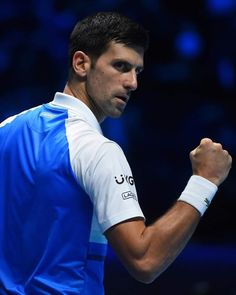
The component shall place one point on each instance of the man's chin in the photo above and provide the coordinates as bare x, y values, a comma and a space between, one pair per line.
117, 114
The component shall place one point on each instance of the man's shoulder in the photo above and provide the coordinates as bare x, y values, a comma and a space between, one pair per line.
81, 130
85, 140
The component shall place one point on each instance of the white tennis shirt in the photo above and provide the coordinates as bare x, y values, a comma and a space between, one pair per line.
99, 164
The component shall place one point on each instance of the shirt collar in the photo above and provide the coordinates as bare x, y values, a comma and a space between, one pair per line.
72, 103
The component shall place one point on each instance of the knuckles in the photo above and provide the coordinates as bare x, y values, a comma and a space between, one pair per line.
208, 149
211, 161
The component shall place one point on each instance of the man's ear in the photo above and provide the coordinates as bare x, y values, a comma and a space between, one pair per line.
81, 63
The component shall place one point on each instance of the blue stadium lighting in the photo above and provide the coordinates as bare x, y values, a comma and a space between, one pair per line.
188, 44
221, 6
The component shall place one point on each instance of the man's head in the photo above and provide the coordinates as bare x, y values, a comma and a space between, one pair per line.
93, 35
106, 56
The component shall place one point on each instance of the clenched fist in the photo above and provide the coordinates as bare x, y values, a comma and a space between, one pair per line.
211, 161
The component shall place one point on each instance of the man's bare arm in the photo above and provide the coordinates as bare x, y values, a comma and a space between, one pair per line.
147, 251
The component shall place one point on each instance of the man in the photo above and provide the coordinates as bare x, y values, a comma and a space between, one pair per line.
66, 189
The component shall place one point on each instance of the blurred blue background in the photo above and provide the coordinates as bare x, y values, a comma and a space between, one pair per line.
186, 92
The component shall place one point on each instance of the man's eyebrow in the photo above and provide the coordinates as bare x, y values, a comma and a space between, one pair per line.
123, 60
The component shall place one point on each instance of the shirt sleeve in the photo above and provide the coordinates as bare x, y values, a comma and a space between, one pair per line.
102, 170
111, 187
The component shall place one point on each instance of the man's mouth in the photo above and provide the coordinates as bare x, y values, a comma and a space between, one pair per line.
123, 97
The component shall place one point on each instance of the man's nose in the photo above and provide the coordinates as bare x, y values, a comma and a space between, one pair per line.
131, 82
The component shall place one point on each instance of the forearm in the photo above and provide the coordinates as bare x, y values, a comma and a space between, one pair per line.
169, 234
166, 238
146, 251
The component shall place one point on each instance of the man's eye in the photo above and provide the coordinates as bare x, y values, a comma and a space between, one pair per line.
122, 67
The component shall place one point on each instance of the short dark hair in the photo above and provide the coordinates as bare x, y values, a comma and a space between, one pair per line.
93, 34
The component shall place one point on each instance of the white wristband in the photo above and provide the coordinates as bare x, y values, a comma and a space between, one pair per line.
199, 193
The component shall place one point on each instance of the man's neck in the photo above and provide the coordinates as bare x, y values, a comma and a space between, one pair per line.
78, 93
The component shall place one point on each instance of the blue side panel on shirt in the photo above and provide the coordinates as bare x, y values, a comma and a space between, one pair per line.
45, 217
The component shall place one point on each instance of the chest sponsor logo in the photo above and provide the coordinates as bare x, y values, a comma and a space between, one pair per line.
122, 178
129, 195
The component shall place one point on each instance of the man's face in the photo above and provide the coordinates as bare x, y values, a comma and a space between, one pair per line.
112, 78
